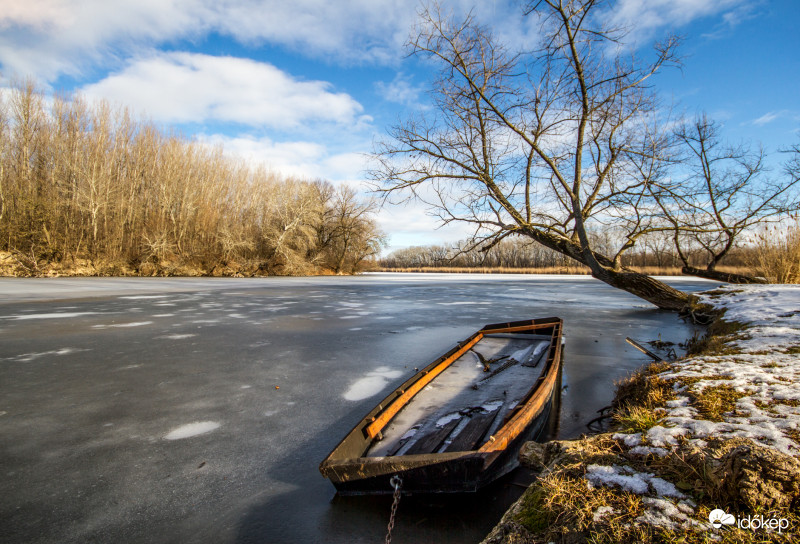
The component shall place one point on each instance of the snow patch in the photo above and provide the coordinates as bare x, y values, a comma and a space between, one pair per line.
444, 420
628, 439
27, 357
55, 315
630, 480
192, 429
371, 384
647, 450
602, 512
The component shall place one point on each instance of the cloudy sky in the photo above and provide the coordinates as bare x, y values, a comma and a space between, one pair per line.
306, 86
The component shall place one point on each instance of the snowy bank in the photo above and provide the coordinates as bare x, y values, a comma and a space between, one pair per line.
702, 444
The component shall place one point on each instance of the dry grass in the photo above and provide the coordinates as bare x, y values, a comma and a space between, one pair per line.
635, 419
716, 340
644, 388
578, 269
560, 508
776, 254
715, 401
490, 270
676, 270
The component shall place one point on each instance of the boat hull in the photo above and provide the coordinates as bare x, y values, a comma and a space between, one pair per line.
353, 472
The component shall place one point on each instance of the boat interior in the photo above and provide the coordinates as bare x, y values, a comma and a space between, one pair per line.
461, 408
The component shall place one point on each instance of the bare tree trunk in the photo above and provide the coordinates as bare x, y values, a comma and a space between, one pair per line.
721, 276
641, 285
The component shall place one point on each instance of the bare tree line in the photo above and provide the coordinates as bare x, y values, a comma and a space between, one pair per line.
655, 251
81, 181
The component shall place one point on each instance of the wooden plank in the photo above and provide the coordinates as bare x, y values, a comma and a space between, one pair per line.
400, 443
531, 363
374, 428
433, 440
518, 328
530, 409
471, 434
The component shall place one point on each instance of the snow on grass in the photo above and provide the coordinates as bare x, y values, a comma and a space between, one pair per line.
602, 512
750, 390
761, 377
640, 483
663, 513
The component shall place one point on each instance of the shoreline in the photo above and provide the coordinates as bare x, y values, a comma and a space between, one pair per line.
701, 446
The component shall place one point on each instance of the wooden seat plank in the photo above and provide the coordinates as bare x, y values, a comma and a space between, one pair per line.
469, 436
431, 441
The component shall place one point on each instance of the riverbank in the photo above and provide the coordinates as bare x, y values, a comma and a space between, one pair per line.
21, 266
706, 448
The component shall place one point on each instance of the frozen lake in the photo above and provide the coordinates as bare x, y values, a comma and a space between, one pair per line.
198, 410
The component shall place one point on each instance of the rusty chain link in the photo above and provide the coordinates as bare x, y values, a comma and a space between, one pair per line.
397, 483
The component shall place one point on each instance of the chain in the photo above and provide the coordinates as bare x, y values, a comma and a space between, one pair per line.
397, 483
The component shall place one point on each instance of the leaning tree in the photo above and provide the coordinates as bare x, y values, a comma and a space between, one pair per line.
724, 191
550, 143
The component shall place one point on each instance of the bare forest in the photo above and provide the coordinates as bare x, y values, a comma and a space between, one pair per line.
88, 189
771, 252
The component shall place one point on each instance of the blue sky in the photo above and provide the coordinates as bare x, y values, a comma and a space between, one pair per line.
306, 86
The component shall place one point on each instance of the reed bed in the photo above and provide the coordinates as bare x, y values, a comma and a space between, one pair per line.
650, 270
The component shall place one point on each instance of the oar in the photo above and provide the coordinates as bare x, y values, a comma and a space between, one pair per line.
643, 349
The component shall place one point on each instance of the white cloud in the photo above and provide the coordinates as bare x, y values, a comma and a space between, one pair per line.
47, 38
42, 14
645, 17
352, 31
410, 224
306, 160
189, 87
399, 90
766, 118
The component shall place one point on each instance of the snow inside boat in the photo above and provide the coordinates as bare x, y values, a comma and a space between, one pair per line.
457, 424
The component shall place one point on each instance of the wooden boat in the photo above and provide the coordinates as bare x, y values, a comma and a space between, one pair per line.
457, 424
